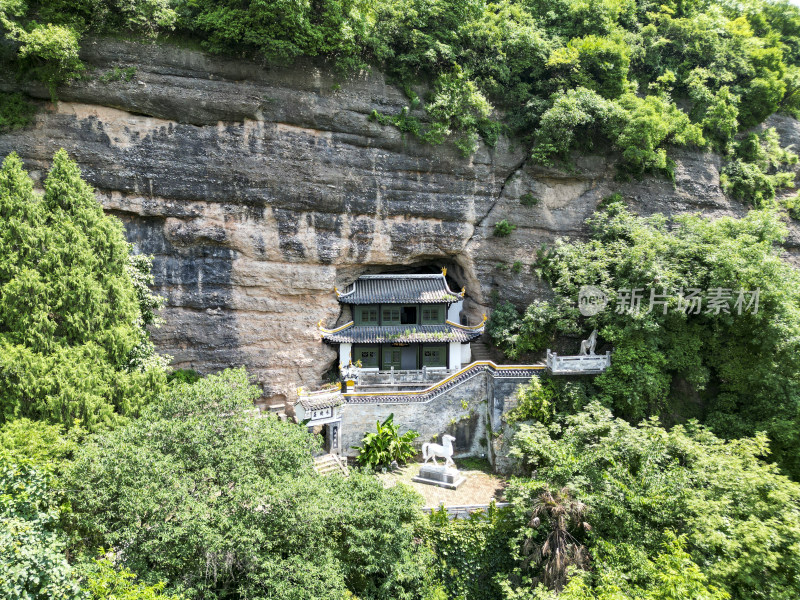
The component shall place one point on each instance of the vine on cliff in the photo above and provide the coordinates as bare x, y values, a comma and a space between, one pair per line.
574, 75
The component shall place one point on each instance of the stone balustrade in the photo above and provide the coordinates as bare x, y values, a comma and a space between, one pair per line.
584, 364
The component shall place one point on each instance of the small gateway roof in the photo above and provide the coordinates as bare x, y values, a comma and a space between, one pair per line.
400, 289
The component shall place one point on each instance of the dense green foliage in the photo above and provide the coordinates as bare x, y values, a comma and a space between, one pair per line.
473, 555
517, 334
15, 111
671, 514
32, 561
739, 373
33, 564
566, 75
503, 228
385, 445
73, 304
105, 582
534, 401
220, 504
752, 176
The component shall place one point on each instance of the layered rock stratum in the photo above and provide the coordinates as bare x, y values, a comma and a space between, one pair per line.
258, 189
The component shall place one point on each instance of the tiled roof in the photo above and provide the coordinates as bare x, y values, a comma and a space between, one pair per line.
388, 334
317, 402
400, 289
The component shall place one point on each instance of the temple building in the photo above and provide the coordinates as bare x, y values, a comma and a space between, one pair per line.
403, 322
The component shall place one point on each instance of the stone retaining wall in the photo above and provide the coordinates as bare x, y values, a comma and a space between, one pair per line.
471, 411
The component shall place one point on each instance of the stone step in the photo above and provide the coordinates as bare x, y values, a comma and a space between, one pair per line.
328, 463
327, 469
480, 351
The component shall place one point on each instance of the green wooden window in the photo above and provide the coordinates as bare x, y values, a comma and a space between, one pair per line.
433, 314
366, 315
434, 356
390, 315
391, 357
368, 355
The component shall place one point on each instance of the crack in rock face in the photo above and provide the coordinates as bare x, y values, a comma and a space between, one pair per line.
259, 189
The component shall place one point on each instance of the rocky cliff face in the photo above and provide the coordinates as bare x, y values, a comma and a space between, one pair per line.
258, 189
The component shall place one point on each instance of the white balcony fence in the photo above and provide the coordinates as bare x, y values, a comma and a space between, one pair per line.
584, 364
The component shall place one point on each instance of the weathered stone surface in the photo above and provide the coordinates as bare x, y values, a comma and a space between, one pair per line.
258, 189
464, 402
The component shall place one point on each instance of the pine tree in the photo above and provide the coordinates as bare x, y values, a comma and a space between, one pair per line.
73, 343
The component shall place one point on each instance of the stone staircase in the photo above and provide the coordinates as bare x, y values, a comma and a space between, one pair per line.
330, 463
480, 350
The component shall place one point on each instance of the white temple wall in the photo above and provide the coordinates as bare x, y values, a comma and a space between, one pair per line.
345, 351
454, 362
466, 354
454, 311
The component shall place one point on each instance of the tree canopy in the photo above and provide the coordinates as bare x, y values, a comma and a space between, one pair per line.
567, 75
670, 514
73, 304
735, 369
222, 504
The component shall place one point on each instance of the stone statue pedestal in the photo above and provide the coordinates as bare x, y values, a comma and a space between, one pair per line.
439, 475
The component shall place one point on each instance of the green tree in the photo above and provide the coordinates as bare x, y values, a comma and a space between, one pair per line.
221, 504
33, 565
104, 582
72, 337
534, 401
680, 361
673, 513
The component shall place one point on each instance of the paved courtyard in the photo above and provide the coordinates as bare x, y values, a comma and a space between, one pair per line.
480, 487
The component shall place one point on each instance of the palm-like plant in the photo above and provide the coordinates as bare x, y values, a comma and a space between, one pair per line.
560, 550
385, 445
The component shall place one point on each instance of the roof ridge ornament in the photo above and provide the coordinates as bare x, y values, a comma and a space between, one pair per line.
444, 271
324, 331
469, 327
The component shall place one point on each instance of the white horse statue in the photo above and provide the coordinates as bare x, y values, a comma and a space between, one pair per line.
587, 346
445, 451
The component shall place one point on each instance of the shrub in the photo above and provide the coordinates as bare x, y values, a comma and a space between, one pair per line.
105, 582
385, 445
15, 111
753, 175
32, 561
528, 199
534, 401
503, 228
179, 376
517, 334
792, 205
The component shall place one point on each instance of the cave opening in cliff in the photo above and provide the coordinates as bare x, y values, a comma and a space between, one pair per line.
454, 272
